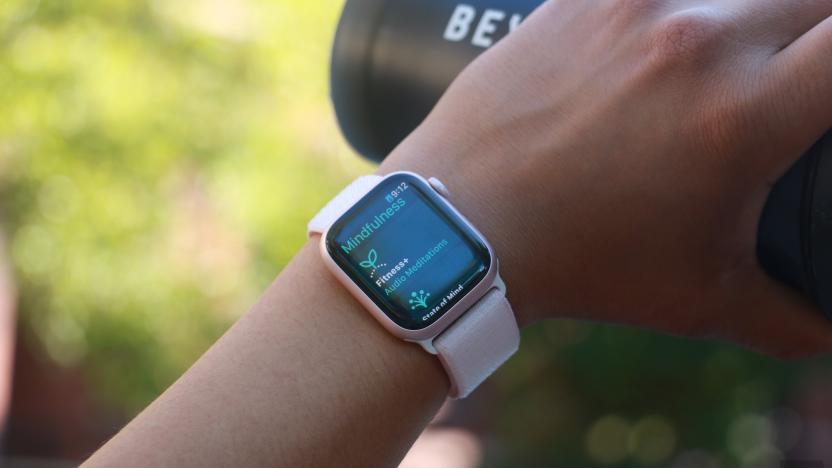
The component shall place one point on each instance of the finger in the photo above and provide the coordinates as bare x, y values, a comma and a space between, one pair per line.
771, 318
777, 23
796, 91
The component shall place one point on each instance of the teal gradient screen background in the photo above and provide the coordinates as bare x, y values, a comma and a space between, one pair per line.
408, 251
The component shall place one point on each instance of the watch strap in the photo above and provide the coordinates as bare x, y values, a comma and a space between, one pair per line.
479, 342
341, 203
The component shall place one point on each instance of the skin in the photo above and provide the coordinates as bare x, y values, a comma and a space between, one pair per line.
7, 331
616, 153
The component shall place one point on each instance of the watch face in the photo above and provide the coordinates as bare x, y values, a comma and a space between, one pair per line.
408, 251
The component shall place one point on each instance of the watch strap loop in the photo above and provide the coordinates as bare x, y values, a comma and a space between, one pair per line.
478, 343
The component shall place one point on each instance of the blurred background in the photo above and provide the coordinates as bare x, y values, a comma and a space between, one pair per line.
158, 163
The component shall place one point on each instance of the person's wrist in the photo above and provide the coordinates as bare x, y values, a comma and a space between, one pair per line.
482, 193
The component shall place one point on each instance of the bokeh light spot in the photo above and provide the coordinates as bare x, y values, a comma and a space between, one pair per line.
33, 249
58, 199
652, 440
607, 440
749, 434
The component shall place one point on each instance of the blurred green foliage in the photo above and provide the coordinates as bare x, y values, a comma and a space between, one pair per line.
158, 162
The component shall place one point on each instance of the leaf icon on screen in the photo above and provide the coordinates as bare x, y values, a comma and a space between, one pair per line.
371, 260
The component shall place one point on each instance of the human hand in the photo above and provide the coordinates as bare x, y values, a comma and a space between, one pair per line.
618, 154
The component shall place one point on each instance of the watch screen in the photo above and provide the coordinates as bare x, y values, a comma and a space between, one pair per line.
408, 251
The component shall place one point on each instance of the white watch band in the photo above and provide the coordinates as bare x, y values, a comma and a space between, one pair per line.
477, 343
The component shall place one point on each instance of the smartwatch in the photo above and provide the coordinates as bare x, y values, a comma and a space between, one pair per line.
422, 270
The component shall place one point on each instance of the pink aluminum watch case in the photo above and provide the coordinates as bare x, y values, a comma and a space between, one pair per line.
433, 330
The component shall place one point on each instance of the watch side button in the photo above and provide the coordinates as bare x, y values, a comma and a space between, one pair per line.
439, 187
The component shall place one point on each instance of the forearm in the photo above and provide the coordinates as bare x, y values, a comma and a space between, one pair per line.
306, 378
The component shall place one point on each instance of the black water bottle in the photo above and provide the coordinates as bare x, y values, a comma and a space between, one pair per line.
393, 59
